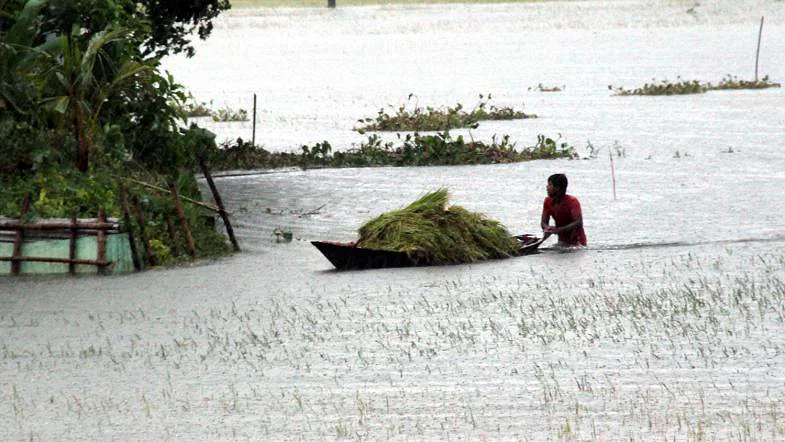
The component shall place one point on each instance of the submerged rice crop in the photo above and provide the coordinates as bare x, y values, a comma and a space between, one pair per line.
692, 353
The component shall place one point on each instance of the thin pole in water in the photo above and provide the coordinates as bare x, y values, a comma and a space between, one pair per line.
613, 174
253, 136
757, 52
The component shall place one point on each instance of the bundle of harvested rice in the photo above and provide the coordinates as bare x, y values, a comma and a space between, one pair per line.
428, 230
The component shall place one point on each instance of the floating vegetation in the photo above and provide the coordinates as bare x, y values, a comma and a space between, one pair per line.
228, 114
194, 109
663, 88
694, 87
414, 150
197, 109
732, 82
427, 229
434, 119
541, 88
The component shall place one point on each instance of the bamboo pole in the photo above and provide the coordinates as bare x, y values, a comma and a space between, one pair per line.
613, 175
185, 198
20, 237
72, 247
178, 207
16, 225
127, 221
757, 52
173, 234
101, 240
17, 259
148, 254
220, 204
253, 131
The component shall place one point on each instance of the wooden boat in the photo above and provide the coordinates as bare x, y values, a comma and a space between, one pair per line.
347, 256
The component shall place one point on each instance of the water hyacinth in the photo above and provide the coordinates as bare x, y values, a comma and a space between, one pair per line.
428, 230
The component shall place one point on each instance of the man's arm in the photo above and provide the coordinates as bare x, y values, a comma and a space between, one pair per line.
544, 221
546, 217
578, 221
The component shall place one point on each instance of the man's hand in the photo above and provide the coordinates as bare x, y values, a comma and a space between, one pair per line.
551, 229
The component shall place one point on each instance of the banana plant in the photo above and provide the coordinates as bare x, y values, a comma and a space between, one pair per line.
81, 82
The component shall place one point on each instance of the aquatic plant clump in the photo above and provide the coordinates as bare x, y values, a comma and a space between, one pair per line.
732, 82
433, 119
428, 230
415, 150
695, 87
665, 87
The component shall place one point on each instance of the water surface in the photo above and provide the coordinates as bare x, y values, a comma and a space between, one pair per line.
670, 325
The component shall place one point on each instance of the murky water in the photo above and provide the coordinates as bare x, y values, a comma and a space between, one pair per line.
671, 325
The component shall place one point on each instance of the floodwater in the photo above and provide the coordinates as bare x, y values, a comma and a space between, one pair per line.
671, 325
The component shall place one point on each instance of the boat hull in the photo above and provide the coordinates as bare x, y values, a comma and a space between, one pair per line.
347, 256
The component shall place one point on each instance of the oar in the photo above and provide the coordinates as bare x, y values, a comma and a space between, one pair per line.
545, 235
532, 247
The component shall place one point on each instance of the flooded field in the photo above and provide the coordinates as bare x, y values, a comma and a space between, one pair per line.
671, 325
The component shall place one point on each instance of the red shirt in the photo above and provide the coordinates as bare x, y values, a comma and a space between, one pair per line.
564, 212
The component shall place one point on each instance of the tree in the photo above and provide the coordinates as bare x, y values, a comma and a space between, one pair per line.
162, 27
173, 20
25, 139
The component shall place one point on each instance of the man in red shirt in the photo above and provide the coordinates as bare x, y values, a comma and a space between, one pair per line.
565, 211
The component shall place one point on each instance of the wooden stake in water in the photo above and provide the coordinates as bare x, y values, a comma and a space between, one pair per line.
613, 174
757, 52
253, 136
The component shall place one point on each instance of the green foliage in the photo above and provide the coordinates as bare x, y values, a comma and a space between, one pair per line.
161, 251
195, 109
664, 88
21, 61
695, 87
413, 150
80, 83
83, 108
173, 21
160, 213
158, 27
26, 148
228, 114
733, 82
541, 88
430, 231
241, 154
432, 119
61, 194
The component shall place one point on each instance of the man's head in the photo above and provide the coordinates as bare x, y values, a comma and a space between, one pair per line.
557, 185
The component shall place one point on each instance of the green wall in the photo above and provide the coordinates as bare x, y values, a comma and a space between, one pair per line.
118, 251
